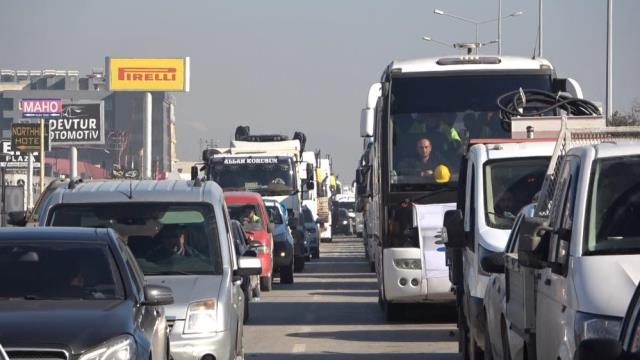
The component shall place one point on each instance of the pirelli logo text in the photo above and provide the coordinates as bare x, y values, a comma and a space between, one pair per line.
142, 74
146, 74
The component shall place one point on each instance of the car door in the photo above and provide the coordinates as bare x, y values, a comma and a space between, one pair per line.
150, 319
237, 295
552, 312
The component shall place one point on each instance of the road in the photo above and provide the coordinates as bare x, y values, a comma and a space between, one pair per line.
331, 312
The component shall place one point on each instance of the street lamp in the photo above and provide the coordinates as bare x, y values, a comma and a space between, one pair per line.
474, 22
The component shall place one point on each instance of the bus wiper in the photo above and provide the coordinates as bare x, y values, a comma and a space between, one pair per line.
433, 193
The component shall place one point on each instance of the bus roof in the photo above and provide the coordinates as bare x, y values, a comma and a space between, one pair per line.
463, 63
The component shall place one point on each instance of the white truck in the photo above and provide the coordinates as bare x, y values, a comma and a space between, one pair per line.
578, 257
269, 165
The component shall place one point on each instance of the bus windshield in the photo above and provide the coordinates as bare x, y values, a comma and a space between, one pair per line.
265, 175
433, 117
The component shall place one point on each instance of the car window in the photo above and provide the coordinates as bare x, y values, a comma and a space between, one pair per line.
166, 239
275, 214
248, 215
58, 271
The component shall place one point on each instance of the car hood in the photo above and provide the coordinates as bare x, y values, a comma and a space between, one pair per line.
187, 289
74, 324
604, 285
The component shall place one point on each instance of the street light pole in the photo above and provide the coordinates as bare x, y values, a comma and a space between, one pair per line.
499, 27
609, 94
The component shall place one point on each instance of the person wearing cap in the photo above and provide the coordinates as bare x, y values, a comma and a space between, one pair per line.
424, 164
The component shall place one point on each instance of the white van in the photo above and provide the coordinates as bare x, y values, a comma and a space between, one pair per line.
180, 233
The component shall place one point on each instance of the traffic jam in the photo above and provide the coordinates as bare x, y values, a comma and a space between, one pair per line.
493, 213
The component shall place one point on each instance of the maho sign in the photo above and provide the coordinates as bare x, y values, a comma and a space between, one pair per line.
41, 107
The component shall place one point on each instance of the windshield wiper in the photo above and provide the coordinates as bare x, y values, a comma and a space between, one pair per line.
169, 272
433, 193
502, 216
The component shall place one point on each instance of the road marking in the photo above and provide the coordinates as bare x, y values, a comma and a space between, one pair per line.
299, 348
338, 262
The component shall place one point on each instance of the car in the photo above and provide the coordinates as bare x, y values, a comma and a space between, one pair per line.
257, 228
343, 223
283, 251
499, 340
626, 347
74, 293
312, 234
179, 232
245, 247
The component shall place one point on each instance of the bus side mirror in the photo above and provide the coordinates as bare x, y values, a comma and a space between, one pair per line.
310, 184
454, 227
310, 172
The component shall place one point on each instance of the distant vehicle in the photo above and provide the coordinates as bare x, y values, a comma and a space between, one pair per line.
74, 293
344, 202
31, 218
179, 233
282, 241
312, 235
245, 247
342, 224
240, 205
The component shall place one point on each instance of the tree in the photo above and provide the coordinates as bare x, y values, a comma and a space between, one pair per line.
631, 118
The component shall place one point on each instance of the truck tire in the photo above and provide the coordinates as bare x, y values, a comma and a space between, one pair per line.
265, 283
315, 253
286, 274
298, 263
393, 312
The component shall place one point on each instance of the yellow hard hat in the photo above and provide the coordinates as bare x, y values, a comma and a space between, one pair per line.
442, 174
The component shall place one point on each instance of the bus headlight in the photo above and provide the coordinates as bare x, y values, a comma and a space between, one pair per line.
408, 264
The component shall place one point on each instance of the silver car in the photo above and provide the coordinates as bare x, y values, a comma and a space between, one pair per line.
179, 232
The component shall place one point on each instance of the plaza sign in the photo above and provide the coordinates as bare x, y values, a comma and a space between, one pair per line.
148, 74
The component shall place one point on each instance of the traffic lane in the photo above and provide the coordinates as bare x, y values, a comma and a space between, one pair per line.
332, 312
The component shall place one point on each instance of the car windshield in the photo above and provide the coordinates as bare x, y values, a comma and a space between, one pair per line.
275, 214
248, 215
614, 206
268, 176
509, 185
432, 118
166, 239
348, 205
58, 271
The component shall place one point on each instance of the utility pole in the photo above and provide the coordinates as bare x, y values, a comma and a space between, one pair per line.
609, 94
539, 28
499, 28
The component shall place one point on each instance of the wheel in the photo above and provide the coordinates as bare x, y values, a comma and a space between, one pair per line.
265, 283
372, 266
316, 253
286, 274
393, 312
307, 258
256, 292
298, 263
245, 318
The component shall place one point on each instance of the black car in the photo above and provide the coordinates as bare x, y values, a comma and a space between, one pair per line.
77, 293
250, 283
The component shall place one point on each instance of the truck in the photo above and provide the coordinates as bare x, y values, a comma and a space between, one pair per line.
269, 165
424, 106
577, 259
324, 195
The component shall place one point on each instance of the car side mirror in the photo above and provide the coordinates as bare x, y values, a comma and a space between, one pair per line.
17, 218
248, 266
454, 227
493, 263
533, 244
599, 349
156, 295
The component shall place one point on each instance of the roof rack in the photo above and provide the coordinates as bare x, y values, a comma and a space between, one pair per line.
574, 137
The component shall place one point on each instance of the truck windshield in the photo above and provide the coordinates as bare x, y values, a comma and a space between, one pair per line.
614, 206
509, 185
433, 117
268, 176
166, 239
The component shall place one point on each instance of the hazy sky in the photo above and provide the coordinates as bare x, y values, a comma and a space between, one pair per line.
281, 66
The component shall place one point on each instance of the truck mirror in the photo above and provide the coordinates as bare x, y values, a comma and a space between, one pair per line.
310, 184
310, 172
454, 227
599, 349
493, 263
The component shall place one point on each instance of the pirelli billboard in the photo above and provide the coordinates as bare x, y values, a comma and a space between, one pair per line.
148, 74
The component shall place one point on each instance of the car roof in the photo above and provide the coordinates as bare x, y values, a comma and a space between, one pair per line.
110, 191
242, 196
89, 235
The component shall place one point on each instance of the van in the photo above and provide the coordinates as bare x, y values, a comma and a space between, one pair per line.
180, 234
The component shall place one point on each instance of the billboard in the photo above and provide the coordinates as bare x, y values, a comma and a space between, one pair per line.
79, 124
26, 137
148, 74
14, 159
40, 107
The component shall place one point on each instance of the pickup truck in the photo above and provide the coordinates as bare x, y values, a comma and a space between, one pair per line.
578, 257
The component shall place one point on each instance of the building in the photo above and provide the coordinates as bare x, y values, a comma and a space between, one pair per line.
122, 112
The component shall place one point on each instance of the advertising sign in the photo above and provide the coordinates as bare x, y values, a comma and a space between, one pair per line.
148, 74
15, 159
80, 124
26, 137
40, 107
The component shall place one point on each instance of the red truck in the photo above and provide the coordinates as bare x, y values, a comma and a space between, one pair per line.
248, 208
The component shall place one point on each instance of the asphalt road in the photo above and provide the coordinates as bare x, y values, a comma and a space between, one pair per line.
331, 312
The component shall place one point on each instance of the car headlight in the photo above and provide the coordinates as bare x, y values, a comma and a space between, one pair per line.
119, 348
201, 317
589, 326
344, 222
408, 264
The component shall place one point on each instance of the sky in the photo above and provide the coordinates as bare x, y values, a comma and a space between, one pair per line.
286, 65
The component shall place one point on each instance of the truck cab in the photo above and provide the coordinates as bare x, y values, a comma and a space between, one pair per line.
576, 267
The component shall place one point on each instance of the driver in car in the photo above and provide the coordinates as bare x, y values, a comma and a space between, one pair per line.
173, 242
424, 163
